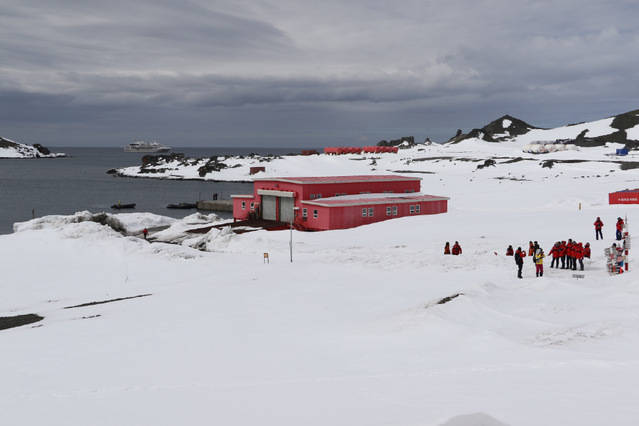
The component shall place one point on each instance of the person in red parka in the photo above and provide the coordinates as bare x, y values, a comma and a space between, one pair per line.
457, 250
619, 228
587, 251
555, 251
570, 254
531, 248
598, 225
447, 248
510, 251
562, 254
579, 255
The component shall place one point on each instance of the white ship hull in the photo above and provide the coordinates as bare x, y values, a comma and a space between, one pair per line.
141, 146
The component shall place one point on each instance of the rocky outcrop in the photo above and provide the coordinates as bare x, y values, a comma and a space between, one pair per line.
507, 127
212, 165
11, 149
504, 128
406, 141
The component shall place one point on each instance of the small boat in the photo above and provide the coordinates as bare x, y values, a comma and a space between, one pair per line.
143, 146
182, 206
120, 206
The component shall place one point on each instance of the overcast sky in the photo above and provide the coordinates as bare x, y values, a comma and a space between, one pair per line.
296, 73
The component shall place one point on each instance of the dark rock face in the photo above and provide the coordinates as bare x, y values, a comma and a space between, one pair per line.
18, 320
517, 127
488, 163
211, 166
397, 142
495, 130
28, 151
41, 149
626, 120
7, 144
150, 162
154, 160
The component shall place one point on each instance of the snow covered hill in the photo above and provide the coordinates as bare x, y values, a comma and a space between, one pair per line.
622, 128
11, 149
351, 332
503, 142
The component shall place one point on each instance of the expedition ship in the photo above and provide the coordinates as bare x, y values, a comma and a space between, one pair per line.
142, 146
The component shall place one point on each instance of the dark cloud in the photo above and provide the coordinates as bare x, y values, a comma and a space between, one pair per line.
307, 73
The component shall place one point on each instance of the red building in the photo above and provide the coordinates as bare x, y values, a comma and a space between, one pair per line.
627, 196
338, 202
339, 150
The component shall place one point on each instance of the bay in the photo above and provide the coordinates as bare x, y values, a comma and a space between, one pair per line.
79, 182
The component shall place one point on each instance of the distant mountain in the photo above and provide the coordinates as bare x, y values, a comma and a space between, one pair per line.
622, 128
502, 129
11, 149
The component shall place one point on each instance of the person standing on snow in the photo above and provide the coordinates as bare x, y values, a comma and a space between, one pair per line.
587, 251
457, 250
556, 249
579, 254
519, 261
145, 232
510, 251
536, 248
447, 248
569, 253
562, 254
619, 228
598, 225
531, 248
539, 263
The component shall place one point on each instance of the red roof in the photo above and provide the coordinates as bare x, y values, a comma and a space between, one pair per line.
360, 199
340, 179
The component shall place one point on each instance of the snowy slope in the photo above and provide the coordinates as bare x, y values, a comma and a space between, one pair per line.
513, 143
350, 333
11, 149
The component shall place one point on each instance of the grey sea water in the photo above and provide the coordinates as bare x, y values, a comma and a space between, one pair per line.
80, 182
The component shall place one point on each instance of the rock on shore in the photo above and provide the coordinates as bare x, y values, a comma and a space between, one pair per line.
11, 149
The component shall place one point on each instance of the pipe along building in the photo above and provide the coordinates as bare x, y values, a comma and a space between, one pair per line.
335, 202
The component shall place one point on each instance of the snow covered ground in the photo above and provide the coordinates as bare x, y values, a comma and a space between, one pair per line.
350, 333
419, 159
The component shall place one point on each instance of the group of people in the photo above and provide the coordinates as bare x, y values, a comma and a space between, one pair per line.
569, 253
599, 225
534, 251
456, 250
